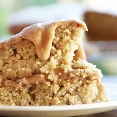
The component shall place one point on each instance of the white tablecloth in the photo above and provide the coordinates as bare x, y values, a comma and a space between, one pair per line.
110, 83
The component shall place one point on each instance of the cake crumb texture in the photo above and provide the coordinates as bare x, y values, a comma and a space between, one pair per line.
64, 78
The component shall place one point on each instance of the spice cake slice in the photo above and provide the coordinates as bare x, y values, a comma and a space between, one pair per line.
45, 64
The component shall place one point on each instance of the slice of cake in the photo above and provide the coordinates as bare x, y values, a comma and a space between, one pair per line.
45, 64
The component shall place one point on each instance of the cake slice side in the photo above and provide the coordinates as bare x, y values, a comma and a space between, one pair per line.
45, 64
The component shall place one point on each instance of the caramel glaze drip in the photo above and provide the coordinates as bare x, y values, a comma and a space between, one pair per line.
79, 53
39, 79
36, 79
42, 36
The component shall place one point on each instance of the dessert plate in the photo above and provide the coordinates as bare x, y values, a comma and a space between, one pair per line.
64, 111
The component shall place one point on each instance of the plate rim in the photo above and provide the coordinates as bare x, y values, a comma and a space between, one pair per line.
61, 107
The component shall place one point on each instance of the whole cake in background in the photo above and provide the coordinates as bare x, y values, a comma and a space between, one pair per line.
102, 34
45, 64
102, 26
101, 20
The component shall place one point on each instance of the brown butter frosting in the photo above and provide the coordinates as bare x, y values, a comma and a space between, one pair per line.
42, 35
36, 79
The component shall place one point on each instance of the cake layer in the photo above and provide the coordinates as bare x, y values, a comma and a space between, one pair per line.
45, 64
80, 86
41, 48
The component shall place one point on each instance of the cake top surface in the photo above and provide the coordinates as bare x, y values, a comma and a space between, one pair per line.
42, 35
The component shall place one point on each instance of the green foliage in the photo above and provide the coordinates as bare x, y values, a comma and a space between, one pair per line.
3, 17
18, 5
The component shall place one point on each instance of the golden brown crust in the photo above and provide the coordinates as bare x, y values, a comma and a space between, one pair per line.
41, 35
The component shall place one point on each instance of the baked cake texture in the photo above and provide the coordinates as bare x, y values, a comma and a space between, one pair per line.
45, 64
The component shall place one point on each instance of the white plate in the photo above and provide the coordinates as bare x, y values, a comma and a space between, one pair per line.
71, 110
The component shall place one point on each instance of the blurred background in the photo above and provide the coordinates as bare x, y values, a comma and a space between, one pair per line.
100, 42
